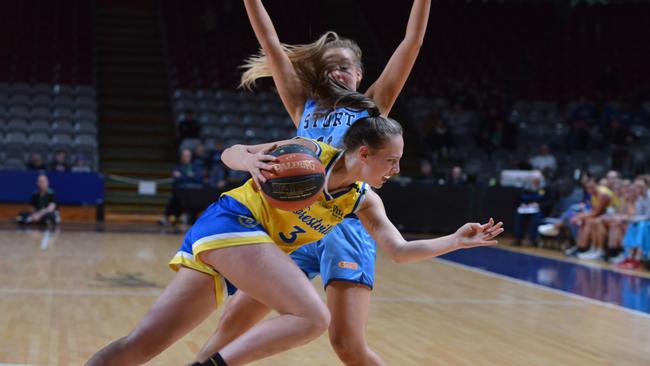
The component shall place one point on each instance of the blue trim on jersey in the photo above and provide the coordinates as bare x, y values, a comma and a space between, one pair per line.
328, 170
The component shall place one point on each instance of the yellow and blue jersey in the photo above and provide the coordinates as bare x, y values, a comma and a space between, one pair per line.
243, 216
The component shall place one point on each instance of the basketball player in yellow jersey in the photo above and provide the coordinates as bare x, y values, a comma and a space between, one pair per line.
233, 240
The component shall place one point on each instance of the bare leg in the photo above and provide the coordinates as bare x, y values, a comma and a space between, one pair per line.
268, 275
185, 303
239, 315
349, 304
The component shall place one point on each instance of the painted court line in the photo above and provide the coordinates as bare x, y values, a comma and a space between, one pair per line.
52, 292
549, 289
476, 301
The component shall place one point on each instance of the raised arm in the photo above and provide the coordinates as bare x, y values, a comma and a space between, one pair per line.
284, 75
374, 219
386, 88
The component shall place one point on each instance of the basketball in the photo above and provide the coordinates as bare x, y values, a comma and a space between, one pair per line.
296, 180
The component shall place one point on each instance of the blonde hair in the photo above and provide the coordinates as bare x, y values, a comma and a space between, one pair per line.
307, 60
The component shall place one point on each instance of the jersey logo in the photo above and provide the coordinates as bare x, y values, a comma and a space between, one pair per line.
292, 235
247, 222
348, 265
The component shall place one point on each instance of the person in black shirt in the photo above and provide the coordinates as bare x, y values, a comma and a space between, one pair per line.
44, 208
59, 163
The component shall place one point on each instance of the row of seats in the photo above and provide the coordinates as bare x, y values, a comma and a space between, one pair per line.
46, 89
43, 126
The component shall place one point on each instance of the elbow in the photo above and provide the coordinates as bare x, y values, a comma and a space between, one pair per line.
396, 254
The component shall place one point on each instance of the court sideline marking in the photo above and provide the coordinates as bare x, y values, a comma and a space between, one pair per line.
549, 289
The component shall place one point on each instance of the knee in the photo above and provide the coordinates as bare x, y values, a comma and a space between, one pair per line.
350, 351
318, 320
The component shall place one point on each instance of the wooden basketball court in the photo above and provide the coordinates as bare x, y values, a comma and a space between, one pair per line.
64, 295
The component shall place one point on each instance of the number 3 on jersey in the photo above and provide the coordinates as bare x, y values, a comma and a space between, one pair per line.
292, 235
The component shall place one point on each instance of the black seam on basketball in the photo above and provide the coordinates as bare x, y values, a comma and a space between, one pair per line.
293, 149
294, 188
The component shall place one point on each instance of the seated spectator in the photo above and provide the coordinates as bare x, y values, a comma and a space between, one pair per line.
590, 241
36, 162
616, 224
59, 163
186, 175
438, 140
544, 161
188, 127
533, 206
81, 165
44, 209
218, 172
201, 160
636, 242
457, 177
426, 173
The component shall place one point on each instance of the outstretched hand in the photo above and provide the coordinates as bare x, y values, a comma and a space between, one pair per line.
473, 234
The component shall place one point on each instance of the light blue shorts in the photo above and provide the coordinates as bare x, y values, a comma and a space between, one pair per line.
347, 253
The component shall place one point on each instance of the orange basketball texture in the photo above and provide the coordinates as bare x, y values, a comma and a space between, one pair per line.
296, 180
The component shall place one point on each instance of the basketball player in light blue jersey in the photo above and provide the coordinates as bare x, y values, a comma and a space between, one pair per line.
323, 108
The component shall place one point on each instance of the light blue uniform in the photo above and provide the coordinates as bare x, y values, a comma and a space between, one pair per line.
348, 252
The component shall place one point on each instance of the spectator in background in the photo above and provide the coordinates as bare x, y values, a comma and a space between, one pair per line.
461, 121
457, 176
617, 137
544, 161
44, 209
533, 206
636, 242
218, 172
59, 163
201, 160
590, 240
438, 140
185, 175
188, 127
81, 165
426, 172
36, 162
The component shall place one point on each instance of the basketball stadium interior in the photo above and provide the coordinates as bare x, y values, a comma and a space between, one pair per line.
508, 100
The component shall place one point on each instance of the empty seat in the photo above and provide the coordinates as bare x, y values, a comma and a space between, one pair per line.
40, 112
15, 140
183, 94
17, 125
42, 101
85, 127
62, 126
211, 131
86, 114
62, 89
85, 141
85, 90
61, 141
86, 102
61, 112
13, 163
42, 89
64, 101
18, 111
39, 141
207, 118
21, 88
40, 126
